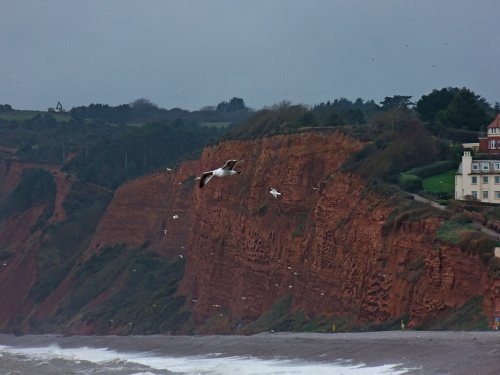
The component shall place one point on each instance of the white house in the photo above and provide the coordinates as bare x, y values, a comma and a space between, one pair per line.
479, 179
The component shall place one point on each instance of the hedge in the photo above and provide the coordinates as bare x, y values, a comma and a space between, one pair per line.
433, 169
410, 182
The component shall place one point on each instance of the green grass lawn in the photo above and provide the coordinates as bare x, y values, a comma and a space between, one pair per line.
444, 182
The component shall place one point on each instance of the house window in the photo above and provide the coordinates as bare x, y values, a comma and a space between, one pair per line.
485, 194
485, 179
485, 166
475, 166
474, 193
497, 194
497, 166
493, 144
497, 179
474, 180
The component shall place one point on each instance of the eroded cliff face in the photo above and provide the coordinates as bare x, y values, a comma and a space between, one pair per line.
325, 243
322, 241
20, 243
156, 209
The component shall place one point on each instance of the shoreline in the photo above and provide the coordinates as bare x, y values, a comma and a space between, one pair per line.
423, 352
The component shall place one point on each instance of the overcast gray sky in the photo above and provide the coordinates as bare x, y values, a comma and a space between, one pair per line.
190, 54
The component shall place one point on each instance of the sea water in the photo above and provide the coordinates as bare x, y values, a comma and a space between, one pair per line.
54, 359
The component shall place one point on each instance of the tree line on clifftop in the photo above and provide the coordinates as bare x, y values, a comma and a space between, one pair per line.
108, 145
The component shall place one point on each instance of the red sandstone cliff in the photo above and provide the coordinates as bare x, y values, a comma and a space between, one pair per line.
155, 208
19, 271
322, 241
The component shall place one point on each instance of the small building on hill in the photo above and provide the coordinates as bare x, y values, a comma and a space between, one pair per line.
479, 178
491, 143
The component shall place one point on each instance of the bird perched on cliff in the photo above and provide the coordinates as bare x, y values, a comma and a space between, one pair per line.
175, 217
224, 171
274, 192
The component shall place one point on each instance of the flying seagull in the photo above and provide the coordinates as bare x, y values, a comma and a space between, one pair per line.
274, 192
224, 171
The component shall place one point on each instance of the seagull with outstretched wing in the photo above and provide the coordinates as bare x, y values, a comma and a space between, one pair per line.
224, 171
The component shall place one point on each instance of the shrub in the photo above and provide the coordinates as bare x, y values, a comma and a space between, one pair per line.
410, 182
452, 232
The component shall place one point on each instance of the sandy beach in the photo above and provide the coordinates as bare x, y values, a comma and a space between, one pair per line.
419, 352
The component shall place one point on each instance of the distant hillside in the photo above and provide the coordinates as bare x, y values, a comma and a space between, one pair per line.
108, 145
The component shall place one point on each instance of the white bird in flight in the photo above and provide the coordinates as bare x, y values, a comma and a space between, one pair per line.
224, 171
274, 192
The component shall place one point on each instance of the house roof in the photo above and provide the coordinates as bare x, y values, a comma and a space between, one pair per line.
495, 123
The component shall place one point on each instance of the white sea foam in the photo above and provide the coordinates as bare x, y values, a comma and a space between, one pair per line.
206, 365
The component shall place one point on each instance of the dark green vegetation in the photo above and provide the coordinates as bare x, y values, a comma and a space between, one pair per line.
35, 187
134, 151
466, 318
410, 182
393, 152
147, 296
281, 317
64, 242
108, 145
140, 288
454, 108
285, 118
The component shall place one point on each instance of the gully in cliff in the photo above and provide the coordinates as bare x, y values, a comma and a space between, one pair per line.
224, 171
